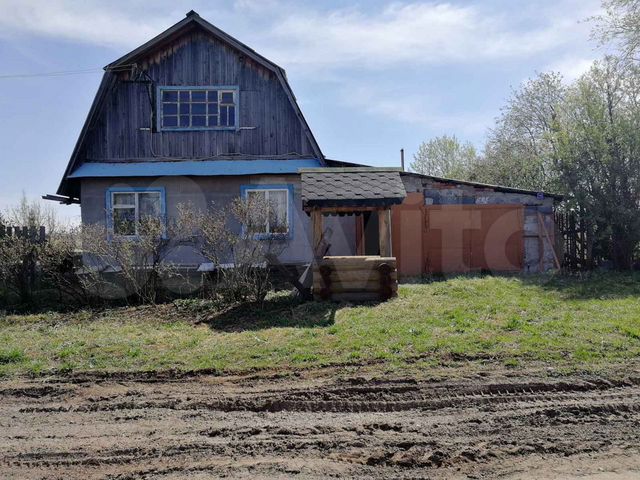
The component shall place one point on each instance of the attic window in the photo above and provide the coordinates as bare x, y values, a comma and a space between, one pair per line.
198, 108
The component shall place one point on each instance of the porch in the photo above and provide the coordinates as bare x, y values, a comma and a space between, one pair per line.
368, 194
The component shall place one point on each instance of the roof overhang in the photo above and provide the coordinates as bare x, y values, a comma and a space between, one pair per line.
498, 188
358, 188
202, 168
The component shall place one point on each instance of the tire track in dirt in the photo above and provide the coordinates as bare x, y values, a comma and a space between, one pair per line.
274, 427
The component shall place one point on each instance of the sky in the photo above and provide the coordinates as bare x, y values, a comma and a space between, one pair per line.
371, 76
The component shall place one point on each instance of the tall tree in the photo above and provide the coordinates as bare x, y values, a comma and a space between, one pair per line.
620, 25
444, 156
520, 149
598, 139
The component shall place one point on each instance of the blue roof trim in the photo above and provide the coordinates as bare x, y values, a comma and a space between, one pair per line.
201, 168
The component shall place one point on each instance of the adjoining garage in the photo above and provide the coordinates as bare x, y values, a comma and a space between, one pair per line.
451, 226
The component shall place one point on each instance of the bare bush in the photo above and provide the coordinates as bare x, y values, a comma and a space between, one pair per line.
138, 264
232, 238
18, 266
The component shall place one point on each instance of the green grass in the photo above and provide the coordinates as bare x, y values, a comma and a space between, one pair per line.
565, 322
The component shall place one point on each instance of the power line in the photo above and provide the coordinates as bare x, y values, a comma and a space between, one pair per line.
118, 68
50, 74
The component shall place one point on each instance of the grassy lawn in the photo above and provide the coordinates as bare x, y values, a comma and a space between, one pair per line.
567, 322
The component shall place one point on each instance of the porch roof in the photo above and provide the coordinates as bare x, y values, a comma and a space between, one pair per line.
355, 187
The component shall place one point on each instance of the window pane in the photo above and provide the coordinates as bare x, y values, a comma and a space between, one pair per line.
170, 108
149, 204
169, 96
128, 199
198, 108
257, 212
278, 212
169, 121
227, 97
198, 96
124, 221
232, 116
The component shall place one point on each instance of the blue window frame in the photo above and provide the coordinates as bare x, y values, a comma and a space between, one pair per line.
127, 206
213, 107
277, 221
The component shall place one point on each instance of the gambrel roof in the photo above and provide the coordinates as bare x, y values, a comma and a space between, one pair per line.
124, 63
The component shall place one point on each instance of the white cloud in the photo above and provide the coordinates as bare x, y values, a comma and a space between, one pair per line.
421, 34
421, 109
571, 67
97, 23
313, 38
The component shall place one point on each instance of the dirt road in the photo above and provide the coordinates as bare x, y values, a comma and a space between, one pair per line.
320, 425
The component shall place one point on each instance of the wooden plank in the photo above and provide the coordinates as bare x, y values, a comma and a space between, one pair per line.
360, 238
551, 246
352, 274
355, 297
345, 209
316, 222
384, 232
356, 286
540, 247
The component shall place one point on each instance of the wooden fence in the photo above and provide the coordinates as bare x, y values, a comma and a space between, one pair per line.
35, 234
576, 251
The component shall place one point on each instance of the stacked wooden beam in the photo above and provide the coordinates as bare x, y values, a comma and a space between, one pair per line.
358, 278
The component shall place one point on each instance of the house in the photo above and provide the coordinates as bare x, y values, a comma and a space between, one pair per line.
195, 116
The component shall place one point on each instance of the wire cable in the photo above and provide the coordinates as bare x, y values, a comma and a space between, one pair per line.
61, 73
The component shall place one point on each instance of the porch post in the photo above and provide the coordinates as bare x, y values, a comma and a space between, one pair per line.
384, 225
316, 222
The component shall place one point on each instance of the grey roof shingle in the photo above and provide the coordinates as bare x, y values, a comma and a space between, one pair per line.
357, 187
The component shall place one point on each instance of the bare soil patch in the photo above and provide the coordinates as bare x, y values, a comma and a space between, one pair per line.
321, 424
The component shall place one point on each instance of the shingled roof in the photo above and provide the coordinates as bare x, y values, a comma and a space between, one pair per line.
351, 187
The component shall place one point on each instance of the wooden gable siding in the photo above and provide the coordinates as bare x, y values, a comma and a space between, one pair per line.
198, 59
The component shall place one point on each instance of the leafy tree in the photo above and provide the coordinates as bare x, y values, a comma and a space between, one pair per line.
620, 25
444, 156
520, 150
598, 139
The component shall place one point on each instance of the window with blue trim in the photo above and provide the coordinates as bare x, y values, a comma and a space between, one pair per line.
198, 108
130, 209
273, 215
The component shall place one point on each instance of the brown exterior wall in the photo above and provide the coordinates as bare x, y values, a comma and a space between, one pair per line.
452, 228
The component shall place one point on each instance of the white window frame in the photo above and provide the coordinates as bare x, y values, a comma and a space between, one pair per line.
268, 234
135, 206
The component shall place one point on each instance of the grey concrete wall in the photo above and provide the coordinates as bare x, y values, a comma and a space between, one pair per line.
441, 193
202, 191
